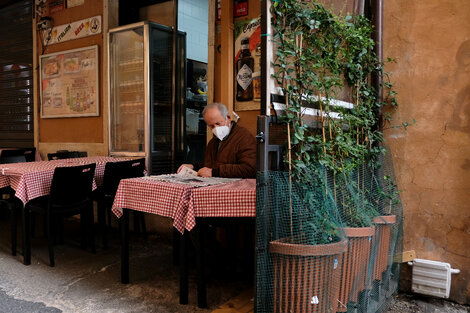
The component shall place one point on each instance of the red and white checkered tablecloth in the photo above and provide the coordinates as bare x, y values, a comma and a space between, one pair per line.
33, 179
152, 196
237, 199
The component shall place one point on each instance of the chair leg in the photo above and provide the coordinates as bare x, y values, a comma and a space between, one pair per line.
83, 226
102, 223
136, 216
91, 226
142, 222
14, 223
32, 217
108, 216
50, 239
59, 229
139, 223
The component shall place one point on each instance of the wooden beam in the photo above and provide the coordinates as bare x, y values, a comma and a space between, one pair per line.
405, 256
226, 61
211, 52
36, 84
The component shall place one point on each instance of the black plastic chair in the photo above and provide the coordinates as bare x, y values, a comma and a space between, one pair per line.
70, 194
13, 204
65, 154
7, 195
12, 159
14, 155
62, 155
113, 173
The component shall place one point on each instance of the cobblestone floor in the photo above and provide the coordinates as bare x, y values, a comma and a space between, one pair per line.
404, 303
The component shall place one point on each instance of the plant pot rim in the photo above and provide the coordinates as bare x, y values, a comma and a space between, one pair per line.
280, 246
359, 231
385, 219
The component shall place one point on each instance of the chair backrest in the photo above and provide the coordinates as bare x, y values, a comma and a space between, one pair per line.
72, 184
115, 171
12, 159
28, 153
63, 155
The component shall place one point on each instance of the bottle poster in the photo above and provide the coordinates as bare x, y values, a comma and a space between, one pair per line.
69, 83
247, 70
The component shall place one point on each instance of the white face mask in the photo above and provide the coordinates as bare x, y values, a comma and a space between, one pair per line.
221, 132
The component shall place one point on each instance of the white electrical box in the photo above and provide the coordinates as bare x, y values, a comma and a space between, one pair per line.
431, 277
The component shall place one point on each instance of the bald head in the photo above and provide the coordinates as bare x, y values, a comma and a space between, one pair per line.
216, 114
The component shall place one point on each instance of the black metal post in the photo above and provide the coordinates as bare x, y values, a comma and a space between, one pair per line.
183, 245
201, 275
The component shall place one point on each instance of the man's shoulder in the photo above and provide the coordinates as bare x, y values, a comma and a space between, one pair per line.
242, 131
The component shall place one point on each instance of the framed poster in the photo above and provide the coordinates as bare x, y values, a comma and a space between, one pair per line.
69, 83
247, 89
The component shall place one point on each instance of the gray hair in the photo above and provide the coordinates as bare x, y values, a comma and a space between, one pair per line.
222, 109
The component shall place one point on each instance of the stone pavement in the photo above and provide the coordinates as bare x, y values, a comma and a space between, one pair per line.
83, 282
404, 303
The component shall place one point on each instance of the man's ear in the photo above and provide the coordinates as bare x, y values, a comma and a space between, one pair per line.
229, 118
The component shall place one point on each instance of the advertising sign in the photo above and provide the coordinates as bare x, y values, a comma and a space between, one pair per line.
86, 27
69, 83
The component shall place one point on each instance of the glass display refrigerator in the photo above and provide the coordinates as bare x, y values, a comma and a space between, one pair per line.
147, 94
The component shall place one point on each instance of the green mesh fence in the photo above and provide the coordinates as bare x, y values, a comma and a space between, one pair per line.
330, 245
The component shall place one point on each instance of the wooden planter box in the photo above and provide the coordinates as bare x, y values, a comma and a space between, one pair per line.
306, 277
383, 226
355, 265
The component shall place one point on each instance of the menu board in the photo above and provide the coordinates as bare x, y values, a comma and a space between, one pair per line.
69, 83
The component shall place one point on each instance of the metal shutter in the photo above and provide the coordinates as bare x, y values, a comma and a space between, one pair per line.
16, 75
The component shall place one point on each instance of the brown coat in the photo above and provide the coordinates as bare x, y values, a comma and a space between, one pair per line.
235, 156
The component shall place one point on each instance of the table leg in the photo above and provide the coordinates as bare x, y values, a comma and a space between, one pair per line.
183, 262
26, 237
177, 238
124, 227
14, 218
201, 275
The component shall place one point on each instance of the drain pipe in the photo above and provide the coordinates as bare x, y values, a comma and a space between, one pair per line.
377, 77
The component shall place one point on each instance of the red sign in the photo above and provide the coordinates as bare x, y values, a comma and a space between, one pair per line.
56, 6
240, 8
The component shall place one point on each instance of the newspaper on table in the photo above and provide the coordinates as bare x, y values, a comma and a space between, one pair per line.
188, 176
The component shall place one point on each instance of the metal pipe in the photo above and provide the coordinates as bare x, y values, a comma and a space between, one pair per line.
263, 61
377, 77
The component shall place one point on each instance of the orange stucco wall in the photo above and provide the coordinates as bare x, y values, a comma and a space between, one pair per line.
431, 41
78, 129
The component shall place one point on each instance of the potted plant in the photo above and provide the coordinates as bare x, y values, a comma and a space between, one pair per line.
388, 198
306, 263
357, 214
320, 57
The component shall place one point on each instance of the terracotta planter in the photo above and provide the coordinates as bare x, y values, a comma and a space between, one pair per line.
355, 265
382, 236
306, 277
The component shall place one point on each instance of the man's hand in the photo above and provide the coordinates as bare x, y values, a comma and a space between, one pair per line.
185, 165
205, 172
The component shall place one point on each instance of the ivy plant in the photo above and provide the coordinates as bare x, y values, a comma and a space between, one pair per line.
320, 57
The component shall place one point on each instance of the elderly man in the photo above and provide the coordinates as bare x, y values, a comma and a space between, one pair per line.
232, 150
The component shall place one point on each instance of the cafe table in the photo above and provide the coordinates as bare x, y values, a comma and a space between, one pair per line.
31, 180
186, 205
